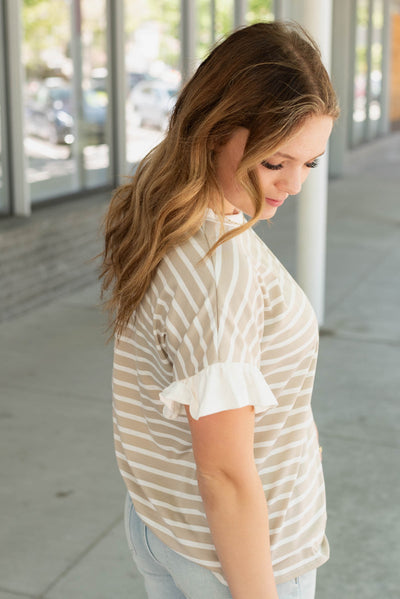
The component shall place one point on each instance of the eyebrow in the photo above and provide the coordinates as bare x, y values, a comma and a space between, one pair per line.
293, 158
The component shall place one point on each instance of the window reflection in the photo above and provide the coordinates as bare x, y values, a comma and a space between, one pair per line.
48, 107
214, 22
394, 71
66, 100
153, 71
224, 10
259, 11
367, 110
94, 129
361, 69
375, 109
205, 11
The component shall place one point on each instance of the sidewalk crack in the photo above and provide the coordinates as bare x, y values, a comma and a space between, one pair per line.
83, 553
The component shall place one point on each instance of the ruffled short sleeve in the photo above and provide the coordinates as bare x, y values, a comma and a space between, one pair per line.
217, 388
213, 331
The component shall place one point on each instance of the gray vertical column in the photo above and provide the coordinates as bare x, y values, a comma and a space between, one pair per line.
76, 55
213, 21
15, 78
239, 14
342, 70
281, 10
116, 88
4, 140
352, 73
384, 123
367, 123
188, 38
316, 17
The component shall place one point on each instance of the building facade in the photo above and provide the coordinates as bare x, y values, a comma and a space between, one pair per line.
86, 87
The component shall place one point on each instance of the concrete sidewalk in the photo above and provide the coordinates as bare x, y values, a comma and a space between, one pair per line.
61, 494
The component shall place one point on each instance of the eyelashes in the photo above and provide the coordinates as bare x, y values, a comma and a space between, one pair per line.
313, 164
272, 167
277, 167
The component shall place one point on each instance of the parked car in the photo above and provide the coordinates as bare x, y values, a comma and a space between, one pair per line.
49, 114
153, 102
133, 78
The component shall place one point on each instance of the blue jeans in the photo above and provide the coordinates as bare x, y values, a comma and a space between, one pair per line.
168, 575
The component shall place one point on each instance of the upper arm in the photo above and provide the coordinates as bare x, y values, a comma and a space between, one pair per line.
214, 328
223, 443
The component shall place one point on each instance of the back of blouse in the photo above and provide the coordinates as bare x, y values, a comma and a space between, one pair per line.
219, 334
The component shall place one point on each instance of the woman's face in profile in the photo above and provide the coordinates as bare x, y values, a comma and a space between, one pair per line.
280, 175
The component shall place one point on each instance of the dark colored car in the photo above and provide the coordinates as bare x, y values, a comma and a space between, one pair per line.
49, 114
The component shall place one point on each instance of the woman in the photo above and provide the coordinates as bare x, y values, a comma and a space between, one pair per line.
216, 345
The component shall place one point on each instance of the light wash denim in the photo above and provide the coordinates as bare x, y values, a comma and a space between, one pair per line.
168, 575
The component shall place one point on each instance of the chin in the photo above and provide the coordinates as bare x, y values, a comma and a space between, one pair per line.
267, 214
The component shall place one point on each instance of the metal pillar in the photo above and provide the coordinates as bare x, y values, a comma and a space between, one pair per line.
343, 81
384, 125
15, 110
367, 123
116, 88
281, 10
316, 17
4, 137
239, 15
352, 73
76, 55
213, 22
188, 38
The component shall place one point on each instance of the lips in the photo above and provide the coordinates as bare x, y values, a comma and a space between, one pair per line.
274, 203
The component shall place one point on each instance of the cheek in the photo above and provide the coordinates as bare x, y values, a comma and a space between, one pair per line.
305, 174
266, 177
226, 172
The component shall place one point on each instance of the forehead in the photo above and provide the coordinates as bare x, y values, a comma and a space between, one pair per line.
309, 140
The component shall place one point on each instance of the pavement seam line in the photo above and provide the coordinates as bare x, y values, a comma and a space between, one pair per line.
357, 440
359, 337
76, 561
55, 393
16, 593
363, 277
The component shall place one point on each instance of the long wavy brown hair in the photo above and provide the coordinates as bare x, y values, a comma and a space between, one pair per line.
268, 78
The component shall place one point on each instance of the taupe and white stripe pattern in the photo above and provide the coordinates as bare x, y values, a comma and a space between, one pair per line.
218, 334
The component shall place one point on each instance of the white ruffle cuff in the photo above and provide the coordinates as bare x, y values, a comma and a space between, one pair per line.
217, 388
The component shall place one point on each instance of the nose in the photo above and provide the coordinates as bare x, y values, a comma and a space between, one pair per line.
290, 181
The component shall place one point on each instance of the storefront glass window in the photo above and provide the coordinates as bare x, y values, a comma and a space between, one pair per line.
48, 102
375, 109
94, 92
259, 10
152, 51
367, 106
66, 112
394, 70
214, 23
224, 10
205, 11
361, 72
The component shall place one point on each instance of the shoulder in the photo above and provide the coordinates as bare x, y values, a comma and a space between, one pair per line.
186, 267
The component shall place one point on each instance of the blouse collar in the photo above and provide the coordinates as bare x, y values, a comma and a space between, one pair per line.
236, 219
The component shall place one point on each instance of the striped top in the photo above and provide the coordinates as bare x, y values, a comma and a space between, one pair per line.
218, 334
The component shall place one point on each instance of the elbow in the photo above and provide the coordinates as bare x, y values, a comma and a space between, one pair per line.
217, 485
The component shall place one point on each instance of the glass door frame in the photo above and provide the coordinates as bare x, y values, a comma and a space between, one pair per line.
14, 110
5, 203
12, 80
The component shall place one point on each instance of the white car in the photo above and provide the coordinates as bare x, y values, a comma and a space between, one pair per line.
153, 102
